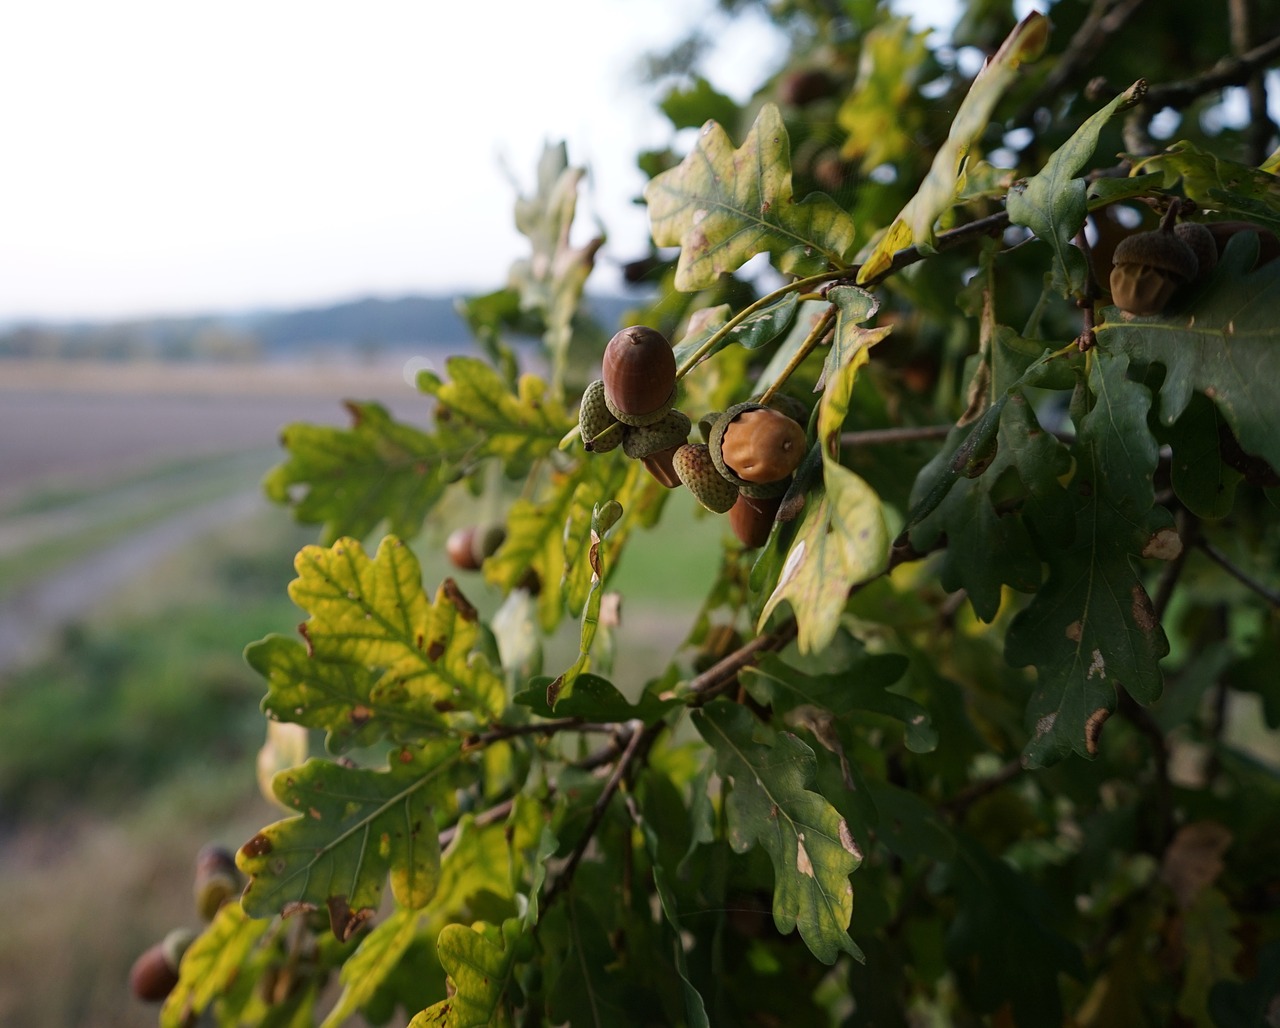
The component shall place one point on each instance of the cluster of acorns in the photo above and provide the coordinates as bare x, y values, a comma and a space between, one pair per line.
217, 881
1149, 268
745, 463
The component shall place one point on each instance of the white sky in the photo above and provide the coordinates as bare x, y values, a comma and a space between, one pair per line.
171, 157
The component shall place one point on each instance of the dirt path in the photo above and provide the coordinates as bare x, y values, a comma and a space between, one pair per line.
31, 619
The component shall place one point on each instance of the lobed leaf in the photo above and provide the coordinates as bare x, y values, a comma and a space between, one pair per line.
479, 417
1092, 627
356, 826
373, 613
1223, 344
1052, 202
211, 963
723, 206
480, 972
1217, 183
914, 223
352, 479
809, 843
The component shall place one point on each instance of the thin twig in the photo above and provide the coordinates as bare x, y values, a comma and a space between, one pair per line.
1105, 18
1261, 127
635, 745
1230, 71
882, 436
810, 343
565, 724
496, 813
1239, 574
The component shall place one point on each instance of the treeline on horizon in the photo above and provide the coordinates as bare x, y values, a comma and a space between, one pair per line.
364, 327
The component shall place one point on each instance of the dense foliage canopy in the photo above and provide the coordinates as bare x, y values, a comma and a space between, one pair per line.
976, 732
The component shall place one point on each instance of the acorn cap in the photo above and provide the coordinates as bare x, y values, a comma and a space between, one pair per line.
595, 420
1201, 242
693, 464
1163, 251
639, 441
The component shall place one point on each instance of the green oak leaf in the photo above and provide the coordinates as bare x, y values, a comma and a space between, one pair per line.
988, 514
476, 860
723, 206
757, 329
347, 700
1000, 943
545, 532
375, 960
1092, 627
595, 699
842, 539
480, 970
690, 106
354, 478
374, 614
809, 843
1225, 344
914, 223
212, 962
1209, 936
356, 826
551, 280
479, 416
861, 685
1217, 183
1204, 482
881, 122
1052, 202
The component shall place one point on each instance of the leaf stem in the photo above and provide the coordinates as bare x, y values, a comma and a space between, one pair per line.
712, 341
810, 343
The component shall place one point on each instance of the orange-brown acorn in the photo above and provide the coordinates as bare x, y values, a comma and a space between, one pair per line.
1148, 268
754, 445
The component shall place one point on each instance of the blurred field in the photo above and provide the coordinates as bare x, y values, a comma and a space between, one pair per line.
137, 558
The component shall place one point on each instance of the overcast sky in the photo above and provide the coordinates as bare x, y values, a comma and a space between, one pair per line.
165, 157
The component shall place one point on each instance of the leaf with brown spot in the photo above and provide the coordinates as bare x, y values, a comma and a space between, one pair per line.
1091, 626
804, 835
371, 824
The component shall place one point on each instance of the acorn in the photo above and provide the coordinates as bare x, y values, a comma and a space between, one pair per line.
639, 376
693, 463
155, 972
468, 547
1268, 243
217, 880
1200, 239
752, 517
754, 445
595, 421
1149, 267
656, 445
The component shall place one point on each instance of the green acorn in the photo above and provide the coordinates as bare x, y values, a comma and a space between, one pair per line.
693, 464
595, 420
640, 441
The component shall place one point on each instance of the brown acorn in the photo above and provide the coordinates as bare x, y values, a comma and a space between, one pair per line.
468, 547
754, 445
751, 518
1202, 244
639, 372
1268, 243
217, 880
1148, 268
155, 972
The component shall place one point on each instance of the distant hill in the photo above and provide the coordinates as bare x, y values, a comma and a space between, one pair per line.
364, 326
